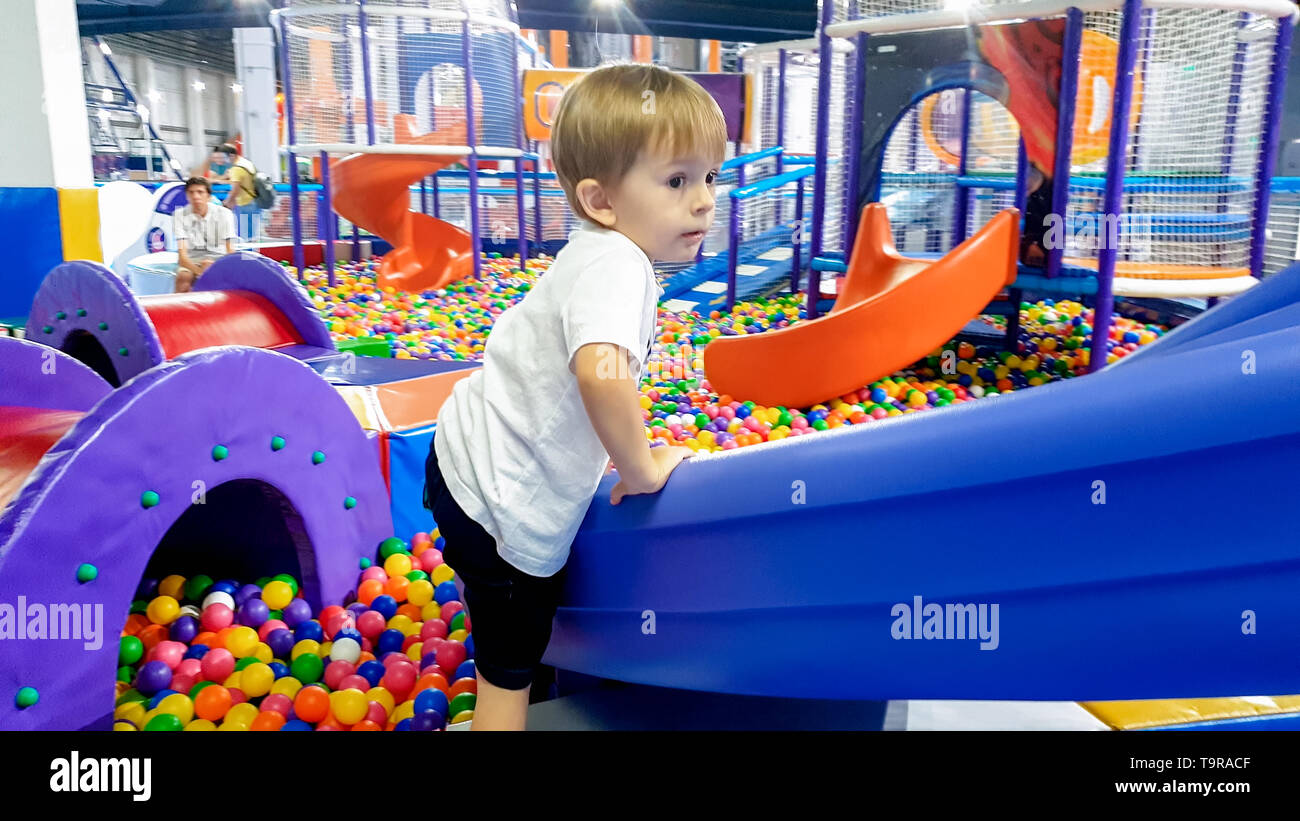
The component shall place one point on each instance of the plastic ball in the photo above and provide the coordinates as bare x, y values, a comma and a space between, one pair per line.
277, 595
153, 676
446, 592
311, 704
163, 610
348, 706
217, 664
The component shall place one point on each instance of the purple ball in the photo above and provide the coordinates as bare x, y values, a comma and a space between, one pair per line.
184, 629
281, 642
296, 612
253, 613
247, 592
153, 676
356, 609
427, 721
428, 660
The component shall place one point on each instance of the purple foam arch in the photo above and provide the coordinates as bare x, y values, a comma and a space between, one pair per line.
83, 504
87, 294
248, 271
36, 376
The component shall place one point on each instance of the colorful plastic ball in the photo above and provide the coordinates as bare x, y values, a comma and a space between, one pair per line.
130, 650
466, 669
458, 622
164, 722
241, 641
385, 605
281, 643
217, 616
462, 702
212, 702
218, 596
450, 609
348, 706
389, 641
458, 635
467, 715
218, 664
267, 721
196, 587
295, 725
463, 685
256, 680
442, 573
308, 631
427, 722
296, 612
307, 668
153, 676
352, 681
170, 653
159, 696
446, 592
432, 699
277, 595
420, 592
371, 623
246, 593
253, 613
163, 610
184, 629
399, 679
372, 671
311, 704
346, 649
178, 705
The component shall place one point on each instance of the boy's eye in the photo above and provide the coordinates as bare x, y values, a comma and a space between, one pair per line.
710, 177
677, 182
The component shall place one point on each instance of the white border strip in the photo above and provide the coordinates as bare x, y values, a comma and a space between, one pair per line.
353, 11
809, 45
1176, 288
400, 150
950, 18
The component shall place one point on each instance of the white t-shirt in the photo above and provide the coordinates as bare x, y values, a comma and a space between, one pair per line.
516, 448
205, 235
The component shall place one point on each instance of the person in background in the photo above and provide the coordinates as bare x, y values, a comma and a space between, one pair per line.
204, 232
228, 165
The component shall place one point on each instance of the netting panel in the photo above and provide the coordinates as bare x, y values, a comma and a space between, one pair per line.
1283, 246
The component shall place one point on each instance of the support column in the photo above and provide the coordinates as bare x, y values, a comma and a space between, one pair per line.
194, 120
47, 193
255, 72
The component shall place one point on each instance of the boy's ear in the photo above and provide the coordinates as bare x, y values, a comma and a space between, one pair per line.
595, 201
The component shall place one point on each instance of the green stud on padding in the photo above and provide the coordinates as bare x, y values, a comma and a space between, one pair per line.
81, 312
317, 457
27, 696
148, 499
103, 326
87, 573
122, 351
365, 563
48, 329
277, 443
61, 315
349, 503
220, 452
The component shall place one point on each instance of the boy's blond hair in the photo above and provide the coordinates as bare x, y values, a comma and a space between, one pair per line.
607, 117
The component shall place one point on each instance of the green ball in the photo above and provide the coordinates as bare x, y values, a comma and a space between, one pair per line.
130, 650
462, 702
262, 581
365, 563
276, 614
417, 575
129, 696
196, 587
784, 418
287, 579
390, 546
48, 329
246, 661
27, 696
148, 499
61, 315
457, 622
139, 606
125, 674
220, 452
168, 723
122, 351
103, 326
820, 424
87, 573
277, 443
307, 668
317, 457
81, 312
198, 688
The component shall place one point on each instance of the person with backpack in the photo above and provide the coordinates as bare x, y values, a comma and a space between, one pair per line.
250, 192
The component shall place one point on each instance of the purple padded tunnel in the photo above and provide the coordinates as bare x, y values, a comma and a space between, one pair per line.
227, 461
87, 311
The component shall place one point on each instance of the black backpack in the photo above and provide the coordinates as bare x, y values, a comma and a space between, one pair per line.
263, 191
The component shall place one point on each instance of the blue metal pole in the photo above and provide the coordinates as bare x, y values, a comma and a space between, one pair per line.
961, 205
854, 156
823, 162
471, 136
328, 208
365, 73
734, 243
1065, 133
1113, 200
1268, 148
796, 262
295, 208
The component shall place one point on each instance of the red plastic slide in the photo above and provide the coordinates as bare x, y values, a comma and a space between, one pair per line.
891, 312
373, 191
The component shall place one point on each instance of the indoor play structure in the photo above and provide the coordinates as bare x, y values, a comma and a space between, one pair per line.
236, 489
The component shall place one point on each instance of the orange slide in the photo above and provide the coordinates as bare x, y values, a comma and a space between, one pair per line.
891, 311
373, 191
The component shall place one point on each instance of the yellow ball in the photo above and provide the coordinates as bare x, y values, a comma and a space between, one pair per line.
458, 635
414, 652
325, 649
241, 714
463, 715
255, 680
277, 595
412, 629
179, 705
232, 680
381, 695
286, 686
304, 646
442, 573
262, 652
404, 710
163, 610
132, 711
231, 727
173, 586
241, 641
398, 564
400, 622
348, 706
122, 727
200, 725
420, 592
432, 610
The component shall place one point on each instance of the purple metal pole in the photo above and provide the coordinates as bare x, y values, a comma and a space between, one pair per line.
471, 137
1113, 203
537, 202
350, 105
519, 213
854, 156
434, 193
740, 69
519, 163
295, 208
1268, 149
823, 162
781, 62
1065, 131
734, 243
365, 73
796, 262
961, 206
424, 195
1022, 177
328, 204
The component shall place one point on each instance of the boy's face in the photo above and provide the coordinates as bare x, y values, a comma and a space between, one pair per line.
665, 204
197, 196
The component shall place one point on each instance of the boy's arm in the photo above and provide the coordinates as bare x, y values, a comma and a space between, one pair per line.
183, 258
610, 397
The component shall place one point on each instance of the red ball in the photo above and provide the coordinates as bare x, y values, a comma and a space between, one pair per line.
409, 640
449, 610
237, 696
268, 626
432, 644
431, 558
336, 622
399, 680
217, 616
450, 656
217, 665
433, 628
327, 614
190, 667
371, 623
353, 681
277, 703
375, 712
336, 671
171, 653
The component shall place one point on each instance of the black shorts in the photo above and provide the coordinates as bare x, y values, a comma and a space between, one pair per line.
511, 610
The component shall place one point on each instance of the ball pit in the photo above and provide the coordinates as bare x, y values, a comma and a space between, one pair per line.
677, 403
389, 663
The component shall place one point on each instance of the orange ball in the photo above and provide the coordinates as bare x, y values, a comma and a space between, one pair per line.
368, 590
312, 704
436, 680
268, 720
135, 623
410, 611
212, 702
366, 724
151, 635
464, 685
396, 587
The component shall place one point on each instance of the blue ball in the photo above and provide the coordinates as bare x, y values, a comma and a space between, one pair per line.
254, 613
228, 586
878, 395
159, 696
403, 726
372, 671
439, 542
184, 629
428, 660
247, 592
281, 642
279, 668
390, 641
466, 668
146, 588
198, 651
426, 722
431, 699
348, 633
296, 612
446, 592
469, 645
295, 725
742, 412
310, 629
385, 605
153, 676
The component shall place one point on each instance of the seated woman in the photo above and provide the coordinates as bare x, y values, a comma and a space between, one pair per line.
204, 230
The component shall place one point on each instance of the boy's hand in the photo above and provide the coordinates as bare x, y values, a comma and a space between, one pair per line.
665, 460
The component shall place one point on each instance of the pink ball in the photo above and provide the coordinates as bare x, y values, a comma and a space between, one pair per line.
420, 538
433, 628
449, 611
399, 680
375, 712
216, 617
336, 671
237, 696
711, 411
337, 622
751, 423
217, 665
432, 644
371, 623
353, 682
726, 412
431, 558
190, 667
374, 571
182, 684
450, 656
277, 703
268, 626
170, 653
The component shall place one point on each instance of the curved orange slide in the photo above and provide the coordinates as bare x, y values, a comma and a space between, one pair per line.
373, 191
891, 311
